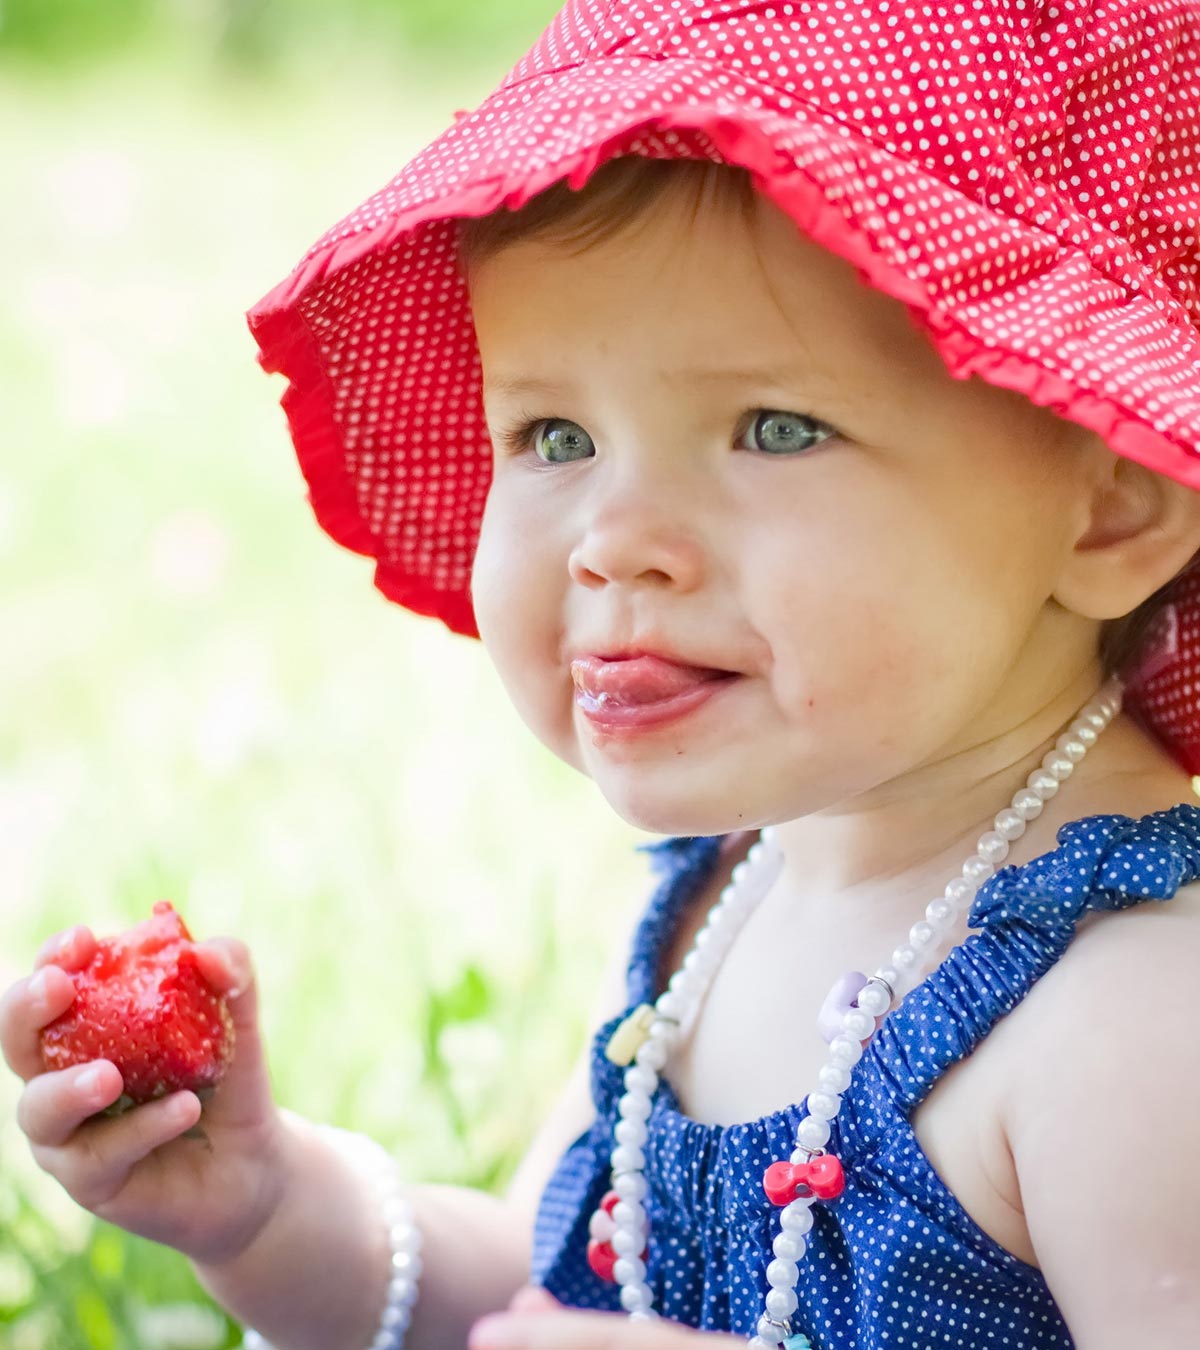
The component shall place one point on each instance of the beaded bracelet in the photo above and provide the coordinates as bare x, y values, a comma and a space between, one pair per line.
403, 1235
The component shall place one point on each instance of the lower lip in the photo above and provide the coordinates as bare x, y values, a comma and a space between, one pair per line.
649, 716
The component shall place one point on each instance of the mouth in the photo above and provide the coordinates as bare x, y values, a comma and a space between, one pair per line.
639, 680
642, 692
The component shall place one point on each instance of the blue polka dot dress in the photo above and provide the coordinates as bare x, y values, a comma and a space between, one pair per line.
896, 1261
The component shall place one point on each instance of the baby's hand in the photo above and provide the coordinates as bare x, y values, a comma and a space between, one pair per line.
208, 1199
535, 1320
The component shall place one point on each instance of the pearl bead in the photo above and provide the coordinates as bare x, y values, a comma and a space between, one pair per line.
976, 870
857, 1023
769, 1331
628, 1159
666, 1033
1083, 731
685, 984
1043, 783
1071, 746
782, 1275
701, 962
643, 1315
651, 1055
631, 1132
625, 1242
939, 913
873, 998
629, 1270
1010, 824
629, 1214
635, 1297
635, 1106
904, 957
630, 1186
640, 1079
1056, 763
1094, 718
921, 935
824, 1105
601, 1226
797, 1217
1027, 804
845, 1050
813, 1133
670, 1005
782, 1302
790, 1246
740, 872
959, 892
889, 974
834, 1077
992, 847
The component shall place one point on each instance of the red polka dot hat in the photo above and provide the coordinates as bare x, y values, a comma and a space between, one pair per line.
1023, 174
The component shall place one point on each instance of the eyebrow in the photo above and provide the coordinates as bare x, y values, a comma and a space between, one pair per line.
514, 385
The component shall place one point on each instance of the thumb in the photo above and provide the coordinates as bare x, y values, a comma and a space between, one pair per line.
243, 1097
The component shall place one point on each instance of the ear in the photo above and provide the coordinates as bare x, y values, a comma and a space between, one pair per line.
1140, 529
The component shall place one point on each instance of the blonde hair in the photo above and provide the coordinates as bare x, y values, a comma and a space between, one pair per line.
622, 191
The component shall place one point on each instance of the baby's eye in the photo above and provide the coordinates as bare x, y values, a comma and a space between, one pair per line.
558, 441
779, 433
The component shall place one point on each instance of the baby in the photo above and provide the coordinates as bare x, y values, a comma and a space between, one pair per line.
799, 402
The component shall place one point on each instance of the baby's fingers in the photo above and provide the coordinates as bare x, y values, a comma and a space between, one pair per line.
25, 1008
70, 950
54, 1105
95, 1163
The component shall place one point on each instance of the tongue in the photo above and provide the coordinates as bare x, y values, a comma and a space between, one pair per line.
646, 679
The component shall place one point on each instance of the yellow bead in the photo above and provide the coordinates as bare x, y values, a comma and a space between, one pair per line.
630, 1036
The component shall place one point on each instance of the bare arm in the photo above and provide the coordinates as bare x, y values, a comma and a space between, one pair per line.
316, 1276
1104, 1134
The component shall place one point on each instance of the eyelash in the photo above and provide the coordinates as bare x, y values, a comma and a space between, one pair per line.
517, 440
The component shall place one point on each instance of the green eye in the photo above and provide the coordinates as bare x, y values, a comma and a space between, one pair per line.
779, 433
558, 441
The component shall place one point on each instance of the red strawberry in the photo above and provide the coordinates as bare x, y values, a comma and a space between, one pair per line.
143, 1004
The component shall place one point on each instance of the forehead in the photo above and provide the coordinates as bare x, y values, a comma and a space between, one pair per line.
701, 290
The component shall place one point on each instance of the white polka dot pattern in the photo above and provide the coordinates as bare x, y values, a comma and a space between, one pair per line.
896, 1262
1162, 685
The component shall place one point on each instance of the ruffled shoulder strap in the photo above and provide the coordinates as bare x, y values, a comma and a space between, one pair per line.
684, 862
1026, 917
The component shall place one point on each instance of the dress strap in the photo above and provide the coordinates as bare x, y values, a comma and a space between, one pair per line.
1026, 917
685, 863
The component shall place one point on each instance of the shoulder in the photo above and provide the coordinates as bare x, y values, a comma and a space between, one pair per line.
1103, 1111
1127, 974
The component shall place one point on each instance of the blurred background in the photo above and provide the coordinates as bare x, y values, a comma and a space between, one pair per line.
202, 698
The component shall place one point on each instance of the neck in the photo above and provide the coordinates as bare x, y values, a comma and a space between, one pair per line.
912, 833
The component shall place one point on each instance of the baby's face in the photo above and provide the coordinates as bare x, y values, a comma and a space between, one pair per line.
876, 560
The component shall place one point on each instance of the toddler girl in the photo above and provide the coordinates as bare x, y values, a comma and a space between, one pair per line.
800, 402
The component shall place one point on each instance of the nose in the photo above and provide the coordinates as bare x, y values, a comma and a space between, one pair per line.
640, 533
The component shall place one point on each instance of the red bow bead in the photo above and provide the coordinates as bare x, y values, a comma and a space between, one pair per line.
602, 1259
822, 1177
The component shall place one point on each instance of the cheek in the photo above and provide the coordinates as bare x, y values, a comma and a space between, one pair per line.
517, 595
882, 641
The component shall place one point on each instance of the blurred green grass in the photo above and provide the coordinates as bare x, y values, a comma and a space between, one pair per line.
203, 698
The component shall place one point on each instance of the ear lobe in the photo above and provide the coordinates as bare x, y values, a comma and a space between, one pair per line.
1142, 530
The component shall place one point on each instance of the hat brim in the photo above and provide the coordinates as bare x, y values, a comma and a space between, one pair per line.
374, 333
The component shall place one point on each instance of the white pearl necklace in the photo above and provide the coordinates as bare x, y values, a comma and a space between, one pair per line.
622, 1226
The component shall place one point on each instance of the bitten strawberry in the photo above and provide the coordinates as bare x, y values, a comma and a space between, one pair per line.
143, 1004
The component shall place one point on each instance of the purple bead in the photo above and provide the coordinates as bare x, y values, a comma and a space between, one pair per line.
838, 1002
